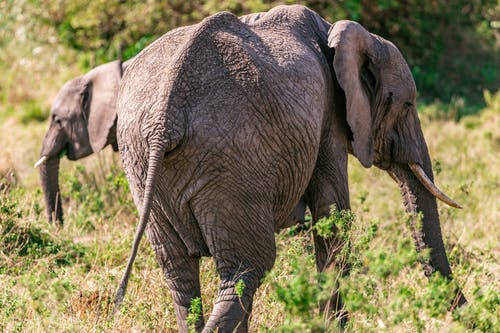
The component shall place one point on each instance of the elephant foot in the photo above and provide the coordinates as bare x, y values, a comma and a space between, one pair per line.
228, 316
231, 312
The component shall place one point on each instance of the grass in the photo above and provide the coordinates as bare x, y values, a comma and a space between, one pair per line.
63, 279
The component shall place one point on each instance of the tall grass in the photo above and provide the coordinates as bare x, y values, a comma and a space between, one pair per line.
63, 279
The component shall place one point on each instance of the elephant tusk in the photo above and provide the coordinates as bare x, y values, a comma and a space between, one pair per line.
430, 186
41, 161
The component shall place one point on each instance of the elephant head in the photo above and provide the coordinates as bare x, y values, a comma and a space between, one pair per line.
384, 128
82, 122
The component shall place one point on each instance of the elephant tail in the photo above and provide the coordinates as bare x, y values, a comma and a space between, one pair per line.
156, 155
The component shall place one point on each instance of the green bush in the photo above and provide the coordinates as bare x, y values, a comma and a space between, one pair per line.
97, 194
195, 312
452, 48
33, 111
24, 243
449, 46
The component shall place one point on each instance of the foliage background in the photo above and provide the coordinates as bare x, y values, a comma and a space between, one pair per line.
62, 280
452, 47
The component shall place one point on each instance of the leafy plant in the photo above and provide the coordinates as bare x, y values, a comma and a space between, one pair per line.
239, 287
194, 314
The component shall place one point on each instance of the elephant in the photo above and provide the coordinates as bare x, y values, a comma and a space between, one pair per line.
82, 122
229, 128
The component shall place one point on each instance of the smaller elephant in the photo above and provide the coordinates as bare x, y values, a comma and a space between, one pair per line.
82, 122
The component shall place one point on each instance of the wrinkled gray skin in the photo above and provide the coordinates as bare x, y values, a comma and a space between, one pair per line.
224, 126
82, 122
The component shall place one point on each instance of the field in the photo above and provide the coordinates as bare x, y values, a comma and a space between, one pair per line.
56, 279
63, 279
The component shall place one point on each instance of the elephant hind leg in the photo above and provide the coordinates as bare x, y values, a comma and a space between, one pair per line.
233, 307
181, 272
242, 244
241, 270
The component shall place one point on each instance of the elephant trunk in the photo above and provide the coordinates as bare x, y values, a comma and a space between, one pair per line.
426, 230
49, 175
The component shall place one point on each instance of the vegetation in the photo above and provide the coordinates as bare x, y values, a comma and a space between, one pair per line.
452, 48
63, 279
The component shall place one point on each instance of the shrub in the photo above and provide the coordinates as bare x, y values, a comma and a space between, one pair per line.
22, 243
439, 39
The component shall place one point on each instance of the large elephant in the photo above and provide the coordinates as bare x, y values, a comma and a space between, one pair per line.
82, 122
224, 126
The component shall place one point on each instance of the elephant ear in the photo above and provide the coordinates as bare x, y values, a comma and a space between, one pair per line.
356, 50
99, 102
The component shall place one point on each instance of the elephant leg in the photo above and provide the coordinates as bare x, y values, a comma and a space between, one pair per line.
181, 271
240, 277
331, 258
243, 247
329, 186
232, 309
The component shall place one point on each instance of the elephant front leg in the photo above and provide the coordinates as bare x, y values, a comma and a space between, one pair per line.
331, 250
329, 260
181, 272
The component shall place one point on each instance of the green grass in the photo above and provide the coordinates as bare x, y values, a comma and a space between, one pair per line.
63, 279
